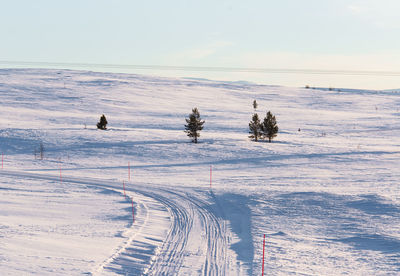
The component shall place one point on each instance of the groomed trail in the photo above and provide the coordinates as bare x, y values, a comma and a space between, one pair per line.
173, 230
325, 192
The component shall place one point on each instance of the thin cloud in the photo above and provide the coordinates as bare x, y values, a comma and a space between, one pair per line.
382, 14
356, 9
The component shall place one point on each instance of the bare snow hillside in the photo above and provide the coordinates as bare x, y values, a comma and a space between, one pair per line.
325, 192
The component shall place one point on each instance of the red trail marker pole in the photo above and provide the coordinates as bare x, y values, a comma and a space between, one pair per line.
263, 257
123, 181
133, 213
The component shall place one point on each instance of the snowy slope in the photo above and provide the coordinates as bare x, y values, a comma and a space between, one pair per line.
327, 196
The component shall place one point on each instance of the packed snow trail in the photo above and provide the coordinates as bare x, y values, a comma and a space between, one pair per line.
195, 232
142, 236
200, 227
328, 195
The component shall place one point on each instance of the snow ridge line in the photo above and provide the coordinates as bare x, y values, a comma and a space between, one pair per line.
107, 184
126, 243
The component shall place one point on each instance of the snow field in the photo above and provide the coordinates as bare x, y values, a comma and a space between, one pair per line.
327, 196
45, 231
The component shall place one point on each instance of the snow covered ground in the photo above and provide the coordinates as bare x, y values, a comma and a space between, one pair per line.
327, 197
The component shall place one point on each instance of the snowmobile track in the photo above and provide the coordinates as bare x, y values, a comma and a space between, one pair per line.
183, 209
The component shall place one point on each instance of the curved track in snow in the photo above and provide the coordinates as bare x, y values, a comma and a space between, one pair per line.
196, 233
196, 241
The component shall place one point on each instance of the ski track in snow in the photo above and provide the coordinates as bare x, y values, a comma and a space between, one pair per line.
169, 258
325, 191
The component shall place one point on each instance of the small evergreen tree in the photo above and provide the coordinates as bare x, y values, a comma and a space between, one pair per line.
103, 123
194, 125
255, 127
269, 128
41, 150
255, 105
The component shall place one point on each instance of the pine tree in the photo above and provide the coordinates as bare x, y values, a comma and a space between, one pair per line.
255, 127
103, 123
269, 128
194, 125
255, 105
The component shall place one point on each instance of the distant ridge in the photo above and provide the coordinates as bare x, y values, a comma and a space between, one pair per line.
353, 90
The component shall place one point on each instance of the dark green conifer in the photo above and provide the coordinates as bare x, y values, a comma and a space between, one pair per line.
255, 127
269, 128
194, 125
255, 105
103, 123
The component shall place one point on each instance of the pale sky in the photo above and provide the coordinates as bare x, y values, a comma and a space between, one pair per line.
290, 34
